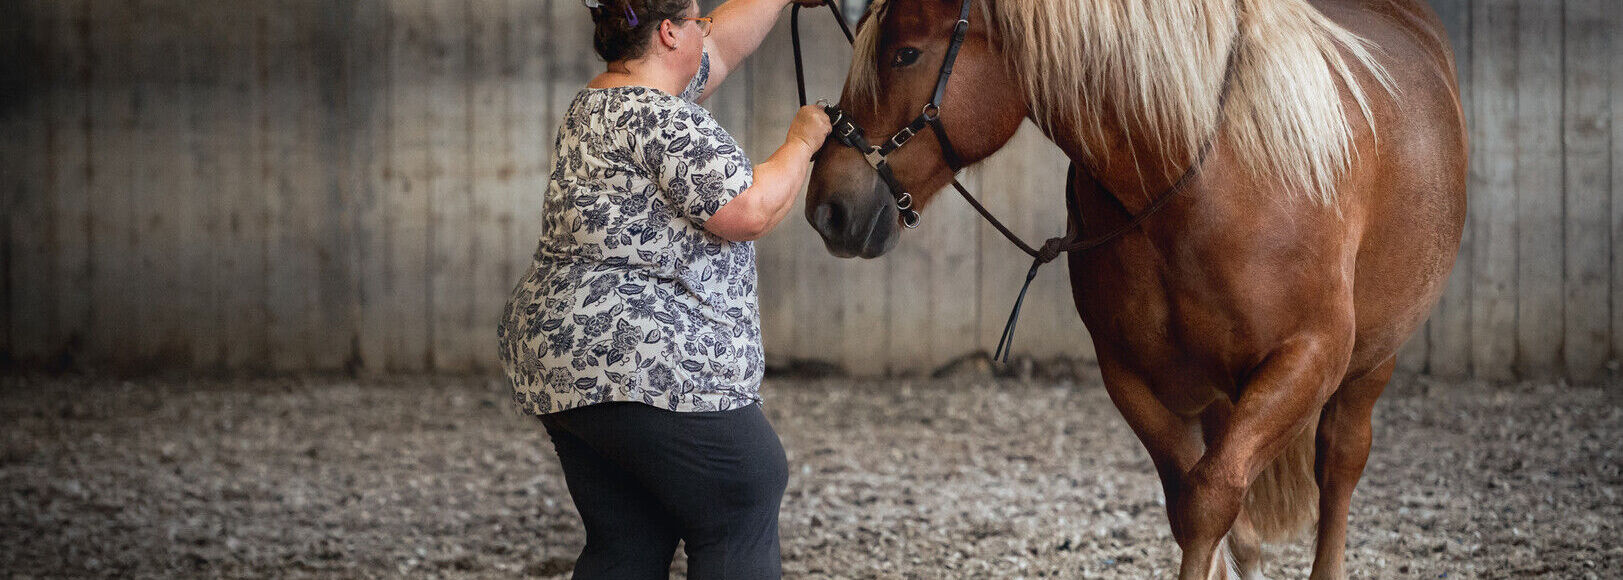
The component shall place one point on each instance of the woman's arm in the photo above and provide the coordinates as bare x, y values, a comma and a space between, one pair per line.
739, 28
760, 207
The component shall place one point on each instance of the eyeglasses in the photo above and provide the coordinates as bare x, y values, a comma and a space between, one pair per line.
704, 23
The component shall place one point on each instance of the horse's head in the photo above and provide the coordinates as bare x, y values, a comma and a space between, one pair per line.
901, 46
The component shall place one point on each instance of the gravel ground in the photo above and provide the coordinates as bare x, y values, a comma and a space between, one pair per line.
906, 478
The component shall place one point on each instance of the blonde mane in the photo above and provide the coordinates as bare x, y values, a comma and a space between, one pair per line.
1155, 69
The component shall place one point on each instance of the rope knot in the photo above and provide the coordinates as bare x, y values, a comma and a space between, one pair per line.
1051, 249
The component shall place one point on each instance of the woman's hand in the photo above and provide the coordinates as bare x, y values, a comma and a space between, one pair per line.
810, 128
758, 209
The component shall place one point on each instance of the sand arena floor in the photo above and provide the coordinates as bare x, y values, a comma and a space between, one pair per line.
956, 478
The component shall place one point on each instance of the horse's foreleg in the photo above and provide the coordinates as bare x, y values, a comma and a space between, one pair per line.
1283, 396
1243, 542
1173, 442
1343, 448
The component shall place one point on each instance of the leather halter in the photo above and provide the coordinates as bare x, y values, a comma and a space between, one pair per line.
848, 133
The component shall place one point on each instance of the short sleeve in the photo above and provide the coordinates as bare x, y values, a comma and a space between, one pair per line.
695, 87
699, 166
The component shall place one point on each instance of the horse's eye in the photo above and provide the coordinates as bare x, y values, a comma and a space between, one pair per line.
904, 57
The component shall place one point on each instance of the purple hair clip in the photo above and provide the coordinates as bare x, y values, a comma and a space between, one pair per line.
631, 15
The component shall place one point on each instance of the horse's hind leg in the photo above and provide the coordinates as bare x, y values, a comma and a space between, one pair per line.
1282, 397
1343, 448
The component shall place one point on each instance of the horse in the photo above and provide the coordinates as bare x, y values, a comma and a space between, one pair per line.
1290, 176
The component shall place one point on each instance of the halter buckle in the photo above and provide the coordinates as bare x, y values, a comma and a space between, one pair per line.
901, 138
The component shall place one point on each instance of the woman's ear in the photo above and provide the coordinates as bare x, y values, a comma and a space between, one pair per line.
667, 34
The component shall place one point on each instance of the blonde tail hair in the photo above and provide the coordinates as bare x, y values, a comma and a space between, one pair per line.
1283, 502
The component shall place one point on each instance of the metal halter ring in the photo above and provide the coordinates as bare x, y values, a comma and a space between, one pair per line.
931, 111
904, 201
910, 219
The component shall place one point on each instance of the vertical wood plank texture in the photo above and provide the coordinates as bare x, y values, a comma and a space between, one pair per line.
241, 125
332, 323
374, 198
402, 325
289, 170
365, 112
204, 100
28, 285
150, 235
452, 231
68, 143
1587, 147
491, 167
1493, 195
171, 252
12, 143
113, 150
1538, 189
1615, 59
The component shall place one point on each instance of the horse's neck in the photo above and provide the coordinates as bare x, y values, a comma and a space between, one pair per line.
1135, 173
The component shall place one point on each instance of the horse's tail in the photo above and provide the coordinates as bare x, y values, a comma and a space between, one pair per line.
1283, 502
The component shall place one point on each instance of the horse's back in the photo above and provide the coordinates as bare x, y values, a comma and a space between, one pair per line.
1410, 194
1415, 18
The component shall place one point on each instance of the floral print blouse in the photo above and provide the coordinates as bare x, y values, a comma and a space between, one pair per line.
628, 298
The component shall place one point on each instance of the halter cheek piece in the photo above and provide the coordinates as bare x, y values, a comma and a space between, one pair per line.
848, 133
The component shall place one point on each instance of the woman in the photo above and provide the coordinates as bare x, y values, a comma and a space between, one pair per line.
635, 335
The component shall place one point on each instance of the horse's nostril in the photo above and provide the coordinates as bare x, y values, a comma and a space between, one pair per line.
830, 218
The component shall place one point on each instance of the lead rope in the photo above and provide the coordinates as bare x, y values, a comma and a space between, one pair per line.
794, 37
1051, 247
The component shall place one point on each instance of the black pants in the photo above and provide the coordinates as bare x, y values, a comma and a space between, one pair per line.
644, 477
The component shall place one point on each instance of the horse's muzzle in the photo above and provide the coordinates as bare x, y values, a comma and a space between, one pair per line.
853, 225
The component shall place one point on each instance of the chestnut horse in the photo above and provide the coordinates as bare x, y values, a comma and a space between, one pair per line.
1246, 328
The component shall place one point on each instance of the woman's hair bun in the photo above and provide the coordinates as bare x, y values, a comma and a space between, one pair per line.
622, 27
